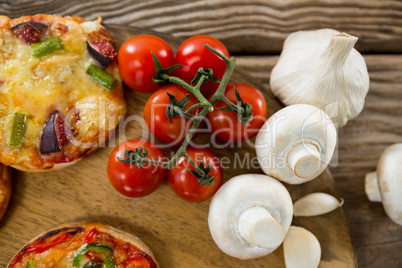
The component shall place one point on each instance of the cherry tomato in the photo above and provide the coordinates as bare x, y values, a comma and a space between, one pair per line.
225, 124
157, 121
133, 181
193, 55
186, 185
136, 63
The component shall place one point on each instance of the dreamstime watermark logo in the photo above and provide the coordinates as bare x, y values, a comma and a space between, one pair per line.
91, 124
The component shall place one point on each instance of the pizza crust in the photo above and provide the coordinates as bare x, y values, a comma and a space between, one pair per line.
27, 168
5, 188
119, 234
54, 168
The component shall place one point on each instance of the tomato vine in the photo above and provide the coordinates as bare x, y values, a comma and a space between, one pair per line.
176, 108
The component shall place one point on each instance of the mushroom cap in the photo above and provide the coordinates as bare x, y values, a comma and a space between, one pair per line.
239, 194
290, 127
389, 175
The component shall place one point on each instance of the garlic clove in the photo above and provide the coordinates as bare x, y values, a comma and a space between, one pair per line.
315, 204
301, 248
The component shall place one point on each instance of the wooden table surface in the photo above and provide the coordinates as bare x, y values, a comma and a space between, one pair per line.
254, 31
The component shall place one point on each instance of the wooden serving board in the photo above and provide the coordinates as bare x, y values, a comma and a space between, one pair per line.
176, 230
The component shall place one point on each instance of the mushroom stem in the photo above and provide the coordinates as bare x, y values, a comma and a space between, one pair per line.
258, 227
304, 159
371, 187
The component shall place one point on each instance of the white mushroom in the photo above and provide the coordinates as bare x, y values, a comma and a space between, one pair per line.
386, 184
250, 215
301, 249
371, 187
296, 144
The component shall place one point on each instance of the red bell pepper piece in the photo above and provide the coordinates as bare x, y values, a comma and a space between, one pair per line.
142, 259
43, 247
90, 235
90, 256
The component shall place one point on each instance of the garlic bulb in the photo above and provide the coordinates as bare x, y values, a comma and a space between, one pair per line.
315, 204
301, 248
322, 68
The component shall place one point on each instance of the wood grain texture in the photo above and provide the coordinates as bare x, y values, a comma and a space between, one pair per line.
259, 27
253, 26
176, 230
376, 238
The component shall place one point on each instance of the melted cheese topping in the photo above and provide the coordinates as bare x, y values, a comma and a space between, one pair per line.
58, 81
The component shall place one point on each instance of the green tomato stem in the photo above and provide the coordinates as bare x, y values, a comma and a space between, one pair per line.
200, 82
219, 95
194, 90
239, 109
220, 92
197, 105
199, 170
181, 113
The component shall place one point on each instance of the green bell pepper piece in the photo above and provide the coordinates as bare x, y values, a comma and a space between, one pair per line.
97, 248
31, 264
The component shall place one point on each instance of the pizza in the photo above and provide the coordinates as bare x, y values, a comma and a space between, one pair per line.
61, 95
5, 188
86, 244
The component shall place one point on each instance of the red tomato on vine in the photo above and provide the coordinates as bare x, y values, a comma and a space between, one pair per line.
193, 55
173, 132
186, 185
226, 125
136, 63
131, 180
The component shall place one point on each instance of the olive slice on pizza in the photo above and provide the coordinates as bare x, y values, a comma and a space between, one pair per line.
61, 93
86, 244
